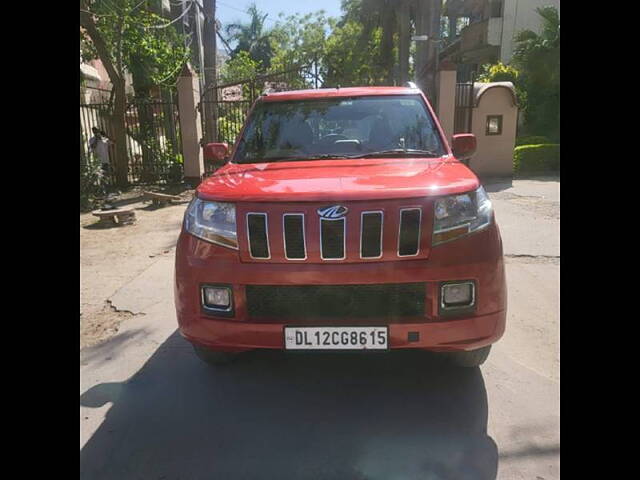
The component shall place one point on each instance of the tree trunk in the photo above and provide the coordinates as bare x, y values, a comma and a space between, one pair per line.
386, 45
433, 48
404, 37
120, 134
120, 100
145, 134
422, 11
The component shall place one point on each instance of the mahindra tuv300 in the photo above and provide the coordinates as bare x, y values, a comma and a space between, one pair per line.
342, 220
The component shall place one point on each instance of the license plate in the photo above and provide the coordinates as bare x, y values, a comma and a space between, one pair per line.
336, 338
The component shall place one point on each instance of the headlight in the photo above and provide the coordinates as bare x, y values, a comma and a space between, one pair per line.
459, 215
214, 222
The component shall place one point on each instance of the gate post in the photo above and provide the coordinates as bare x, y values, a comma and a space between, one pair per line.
447, 97
190, 125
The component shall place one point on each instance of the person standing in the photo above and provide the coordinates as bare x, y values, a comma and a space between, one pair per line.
99, 146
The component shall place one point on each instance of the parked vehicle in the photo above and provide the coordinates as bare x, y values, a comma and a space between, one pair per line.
342, 220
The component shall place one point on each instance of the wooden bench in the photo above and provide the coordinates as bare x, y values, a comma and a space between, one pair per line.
160, 199
116, 216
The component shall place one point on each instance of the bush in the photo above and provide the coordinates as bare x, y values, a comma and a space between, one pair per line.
228, 130
532, 140
537, 158
90, 177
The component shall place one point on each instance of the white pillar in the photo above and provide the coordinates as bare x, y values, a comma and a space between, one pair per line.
190, 125
447, 97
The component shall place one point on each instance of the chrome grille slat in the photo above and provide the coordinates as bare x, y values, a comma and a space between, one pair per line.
258, 235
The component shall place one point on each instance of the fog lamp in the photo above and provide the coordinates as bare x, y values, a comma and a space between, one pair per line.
458, 294
216, 297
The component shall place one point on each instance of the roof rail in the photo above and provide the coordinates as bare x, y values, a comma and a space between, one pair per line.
411, 85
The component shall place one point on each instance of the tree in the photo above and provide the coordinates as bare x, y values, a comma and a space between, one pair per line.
241, 67
115, 69
537, 55
298, 39
350, 56
128, 38
358, 52
378, 21
252, 37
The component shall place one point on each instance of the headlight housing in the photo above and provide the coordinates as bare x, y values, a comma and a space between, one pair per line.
459, 215
214, 222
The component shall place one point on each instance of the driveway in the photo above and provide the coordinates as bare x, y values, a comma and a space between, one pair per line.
149, 409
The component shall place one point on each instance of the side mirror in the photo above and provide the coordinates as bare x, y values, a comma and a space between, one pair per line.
463, 145
216, 152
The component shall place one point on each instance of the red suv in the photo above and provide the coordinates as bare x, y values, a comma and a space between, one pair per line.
342, 220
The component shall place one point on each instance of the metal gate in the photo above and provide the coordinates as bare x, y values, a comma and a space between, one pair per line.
154, 149
464, 108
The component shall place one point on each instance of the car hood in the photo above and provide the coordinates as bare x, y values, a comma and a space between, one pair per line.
350, 179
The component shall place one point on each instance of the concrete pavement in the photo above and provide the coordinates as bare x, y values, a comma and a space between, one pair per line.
150, 409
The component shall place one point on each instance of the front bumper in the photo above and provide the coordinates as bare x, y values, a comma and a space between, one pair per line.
476, 257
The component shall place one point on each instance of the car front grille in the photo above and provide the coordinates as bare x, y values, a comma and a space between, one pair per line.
287, 233
308, 303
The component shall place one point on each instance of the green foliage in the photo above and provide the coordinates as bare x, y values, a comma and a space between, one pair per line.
90, 178
252, 37
136, 42
531, 140
537, 56
499, 72
362, 46
229, 129
537, 158
298, 39
351, 55
241, 67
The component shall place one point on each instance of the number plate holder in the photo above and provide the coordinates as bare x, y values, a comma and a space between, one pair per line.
336, 338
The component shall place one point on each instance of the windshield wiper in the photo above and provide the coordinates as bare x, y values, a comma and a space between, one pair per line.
397, 151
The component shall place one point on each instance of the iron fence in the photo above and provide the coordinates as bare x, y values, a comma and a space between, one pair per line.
154, 149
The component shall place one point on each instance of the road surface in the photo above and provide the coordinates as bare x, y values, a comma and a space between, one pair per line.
149, 409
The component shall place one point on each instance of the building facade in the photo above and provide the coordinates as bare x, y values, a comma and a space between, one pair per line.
488, 36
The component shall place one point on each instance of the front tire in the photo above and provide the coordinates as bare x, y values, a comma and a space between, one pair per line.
212, 357
472, 358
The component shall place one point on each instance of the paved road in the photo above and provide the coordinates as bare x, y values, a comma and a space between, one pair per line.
150, 410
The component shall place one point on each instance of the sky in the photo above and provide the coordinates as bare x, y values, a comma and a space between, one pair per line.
228, 11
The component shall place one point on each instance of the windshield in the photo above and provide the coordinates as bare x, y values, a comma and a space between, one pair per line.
353, 127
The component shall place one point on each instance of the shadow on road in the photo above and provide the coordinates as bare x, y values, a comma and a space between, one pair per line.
276, 416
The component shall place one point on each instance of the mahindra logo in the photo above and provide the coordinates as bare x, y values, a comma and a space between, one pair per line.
334, 212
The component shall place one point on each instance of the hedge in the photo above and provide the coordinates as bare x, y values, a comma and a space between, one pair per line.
532, 140
537, 158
